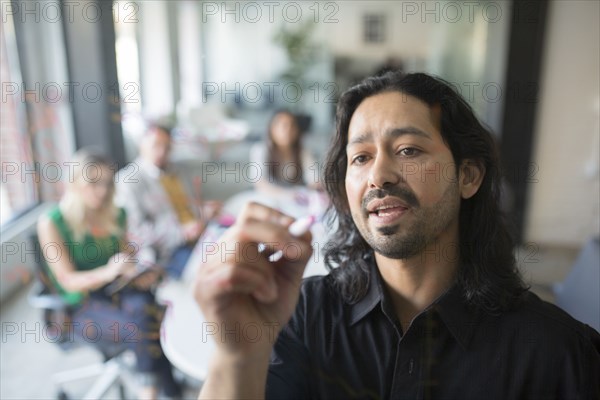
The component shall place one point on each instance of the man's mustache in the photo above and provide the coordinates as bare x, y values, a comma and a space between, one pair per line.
402, 193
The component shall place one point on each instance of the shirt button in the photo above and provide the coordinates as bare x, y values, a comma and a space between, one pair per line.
411, 364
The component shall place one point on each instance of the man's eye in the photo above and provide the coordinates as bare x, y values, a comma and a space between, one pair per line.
409, 151
360, 159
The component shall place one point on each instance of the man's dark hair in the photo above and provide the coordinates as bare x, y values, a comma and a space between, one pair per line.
487, 274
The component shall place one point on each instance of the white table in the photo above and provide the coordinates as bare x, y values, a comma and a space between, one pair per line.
185, 337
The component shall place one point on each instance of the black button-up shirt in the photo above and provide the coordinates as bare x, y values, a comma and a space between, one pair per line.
334, 350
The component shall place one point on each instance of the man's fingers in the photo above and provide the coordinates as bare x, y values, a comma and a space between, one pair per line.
242, 279
257, 211
252, 232
252, 260
240, 263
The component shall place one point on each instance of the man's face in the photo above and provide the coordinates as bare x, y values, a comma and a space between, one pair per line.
156, 147
401, 179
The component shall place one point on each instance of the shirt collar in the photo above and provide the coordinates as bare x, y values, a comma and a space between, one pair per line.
460, 319
372, 298
455, 313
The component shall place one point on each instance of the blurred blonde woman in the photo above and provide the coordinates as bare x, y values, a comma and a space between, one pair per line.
84, 246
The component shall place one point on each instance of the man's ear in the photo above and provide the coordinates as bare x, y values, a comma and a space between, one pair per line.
470, 176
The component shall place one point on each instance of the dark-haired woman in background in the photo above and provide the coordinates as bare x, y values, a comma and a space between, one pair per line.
283, 163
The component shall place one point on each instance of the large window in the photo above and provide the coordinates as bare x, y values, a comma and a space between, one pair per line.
36, 114
126, 15
18, 189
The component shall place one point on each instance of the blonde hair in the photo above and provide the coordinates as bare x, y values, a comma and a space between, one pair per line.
72, 205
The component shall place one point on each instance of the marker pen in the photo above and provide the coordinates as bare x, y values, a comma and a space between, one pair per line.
297, 229
300, 226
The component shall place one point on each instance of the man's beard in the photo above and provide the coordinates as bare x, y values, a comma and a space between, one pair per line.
428, 223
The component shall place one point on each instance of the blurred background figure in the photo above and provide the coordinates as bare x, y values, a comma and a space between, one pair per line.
86, 218
164, 217
283, 162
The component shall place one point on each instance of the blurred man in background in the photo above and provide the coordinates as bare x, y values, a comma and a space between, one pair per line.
165, 219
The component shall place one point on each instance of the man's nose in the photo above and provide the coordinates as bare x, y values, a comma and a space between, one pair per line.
383, 172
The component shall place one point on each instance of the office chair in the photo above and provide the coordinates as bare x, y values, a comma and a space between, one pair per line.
56, 317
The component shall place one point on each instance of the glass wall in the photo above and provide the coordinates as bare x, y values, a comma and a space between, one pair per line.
241, 60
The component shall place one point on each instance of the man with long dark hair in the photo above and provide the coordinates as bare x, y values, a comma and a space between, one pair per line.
424, 299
